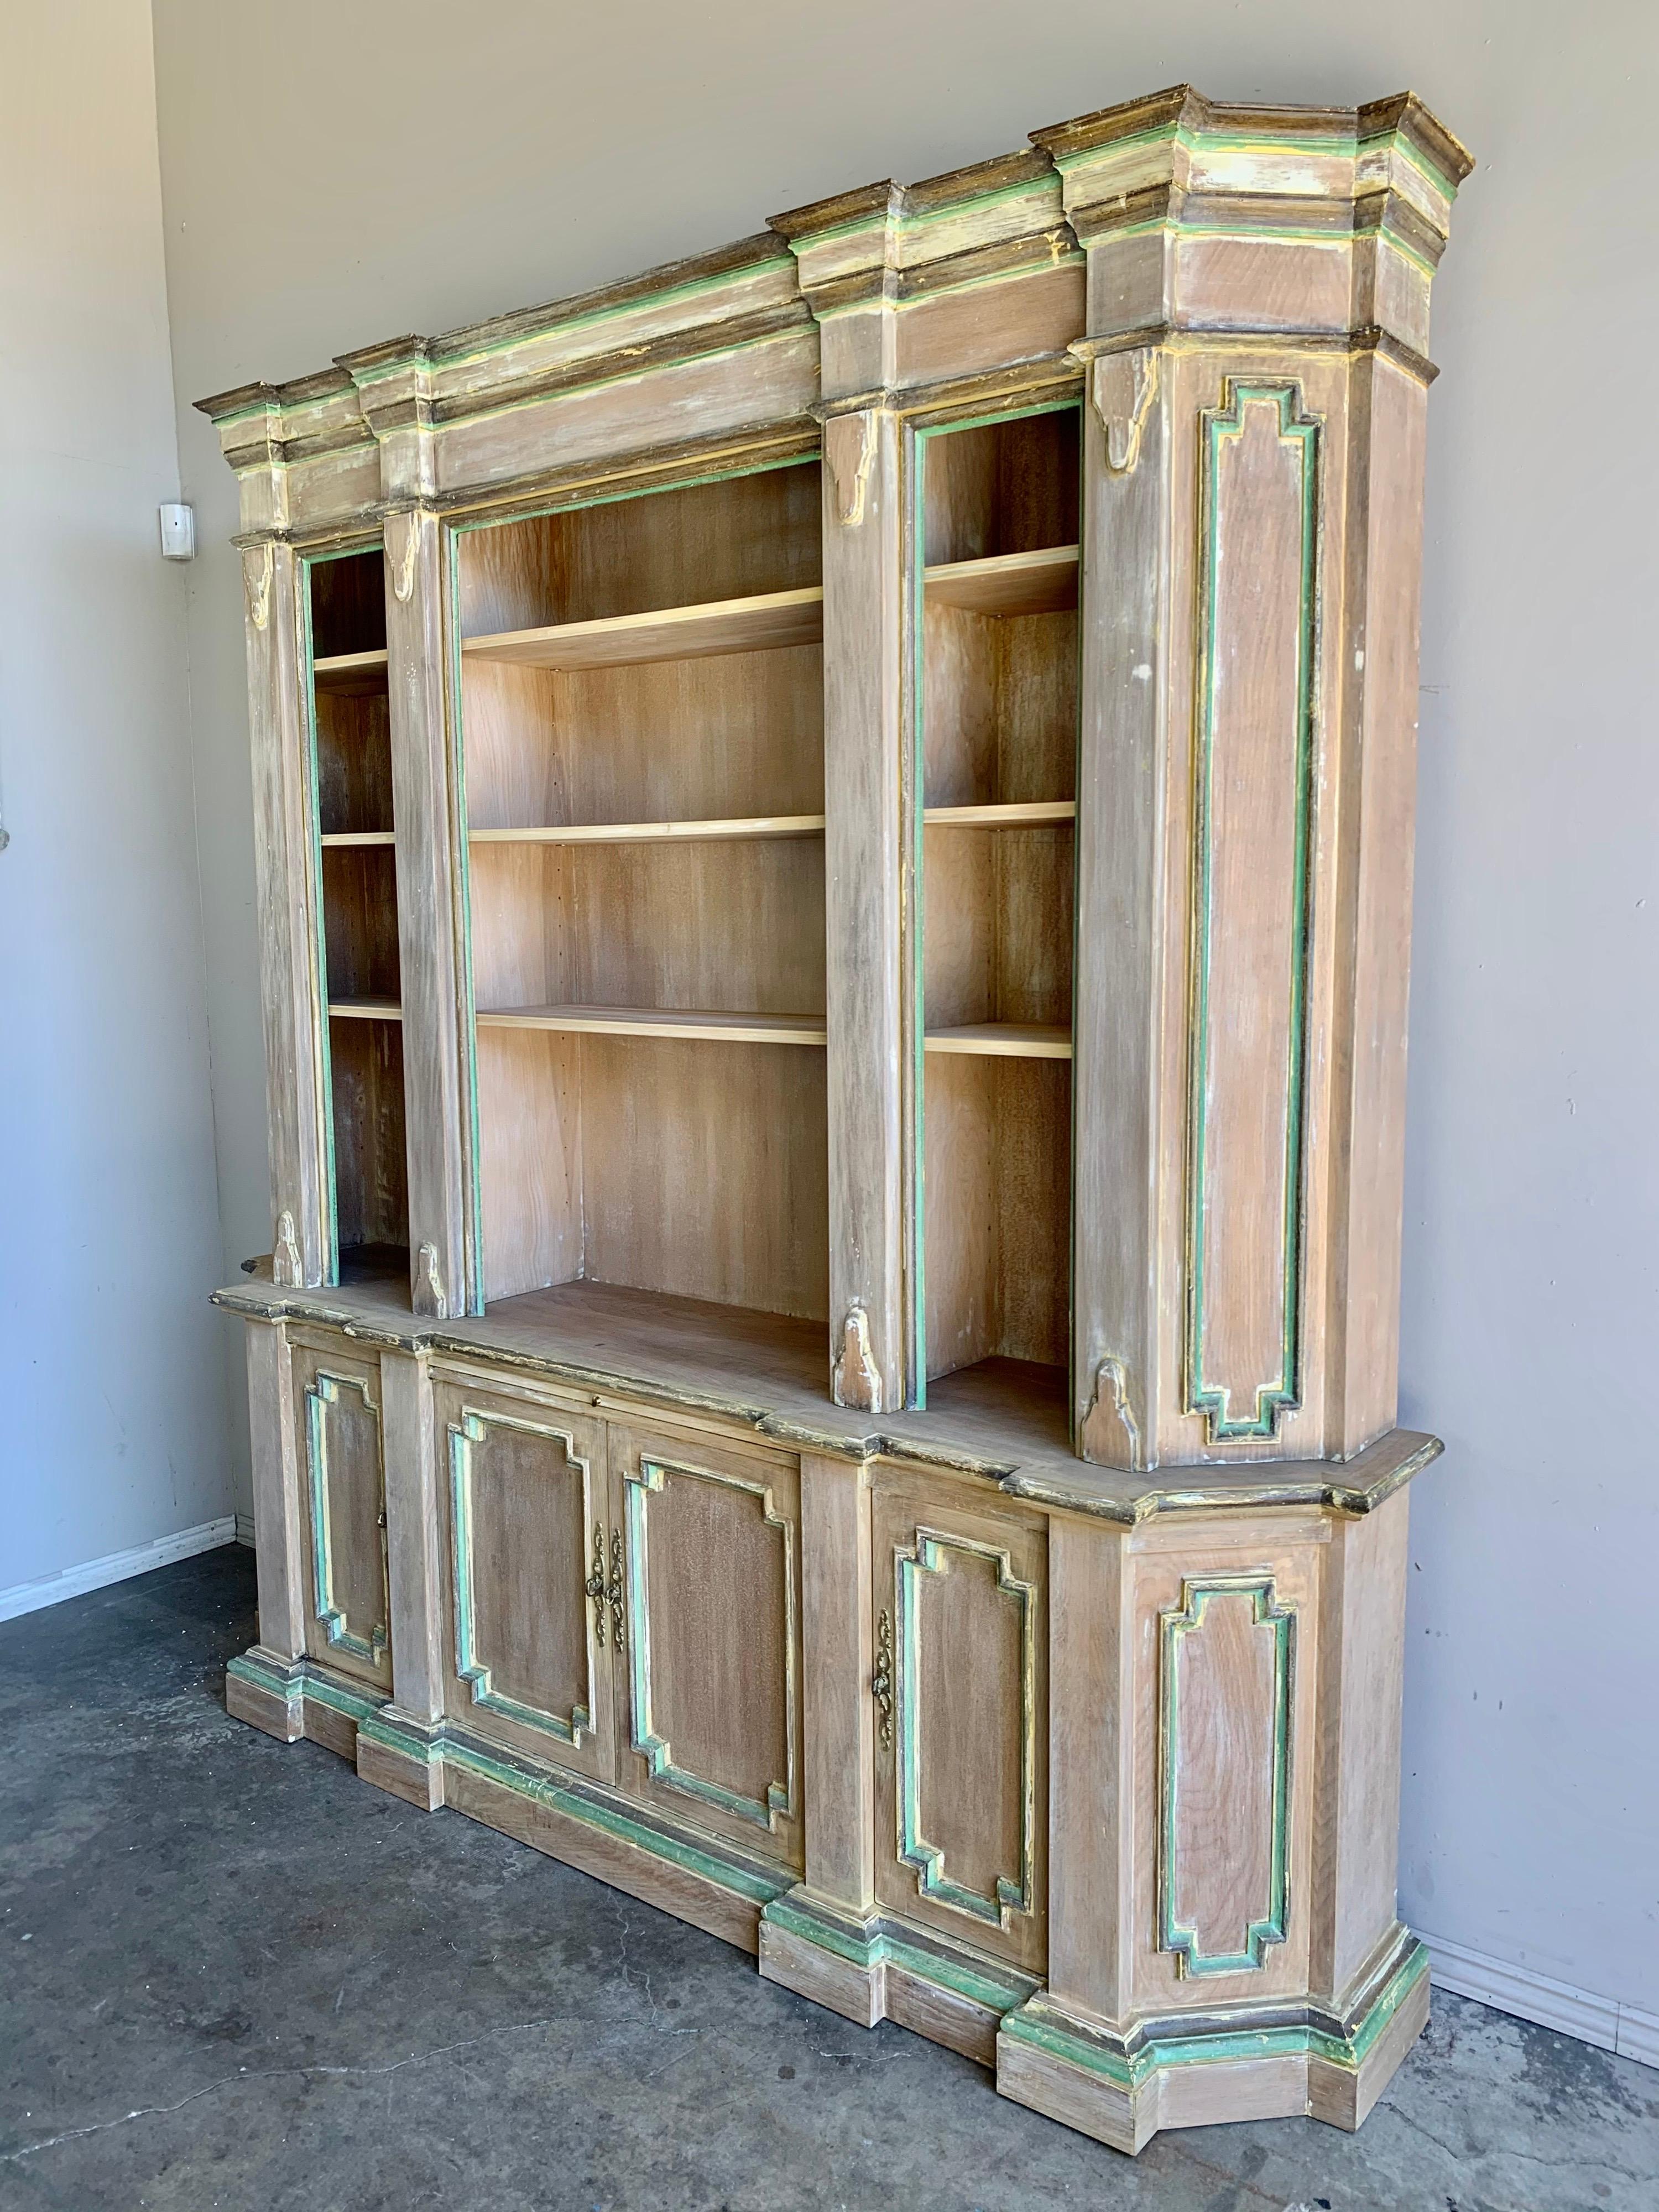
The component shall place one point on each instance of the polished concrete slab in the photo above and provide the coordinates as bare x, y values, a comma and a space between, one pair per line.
233, 1975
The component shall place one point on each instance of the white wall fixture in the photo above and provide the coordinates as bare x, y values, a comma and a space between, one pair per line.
178, 521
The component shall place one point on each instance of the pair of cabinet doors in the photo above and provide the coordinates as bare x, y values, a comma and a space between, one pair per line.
626, 1601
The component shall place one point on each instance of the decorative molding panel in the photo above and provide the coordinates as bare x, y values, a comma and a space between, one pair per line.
781, 1800
322, 1395
1224, 1694
1012, 1893
471, 1667
1258, 614
1124, 386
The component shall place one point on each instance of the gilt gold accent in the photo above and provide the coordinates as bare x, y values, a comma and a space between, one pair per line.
618, 1592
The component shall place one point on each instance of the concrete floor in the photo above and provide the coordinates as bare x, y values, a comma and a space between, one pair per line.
235, 1976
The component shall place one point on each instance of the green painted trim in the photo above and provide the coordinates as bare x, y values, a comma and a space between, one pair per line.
472, 1429
1279, 1391
1260, 234
1207, 141
643, 303
702, 357
1063, 258
305, 1682
1039, 2028
1012, 1893
1038, 187
916, 1130
782, 1798
980, 1985
1172, 1627
461, 529
704, 1860
321, 1392
1398, 142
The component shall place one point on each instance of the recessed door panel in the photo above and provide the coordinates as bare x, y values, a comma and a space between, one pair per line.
712, 1669
342, 1513
526, 1551
960, 1639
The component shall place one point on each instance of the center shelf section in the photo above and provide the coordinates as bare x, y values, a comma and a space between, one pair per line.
642, 740
767, 620
663, 1022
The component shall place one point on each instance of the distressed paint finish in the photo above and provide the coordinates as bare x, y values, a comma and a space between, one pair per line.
1258, 620
473, 1630
780, 1801
285, 852
1224, 1774
1057, 1721
922, 1691
347, 1503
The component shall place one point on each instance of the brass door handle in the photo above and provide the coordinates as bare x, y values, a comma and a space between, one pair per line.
595, 1583
881, 1682
616, 1591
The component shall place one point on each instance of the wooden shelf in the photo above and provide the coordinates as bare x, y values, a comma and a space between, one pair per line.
750, 625
662, 1022
652, 833
335, 838
1020, 814
1004, 1040
365, 1010
1038, 583
350, 672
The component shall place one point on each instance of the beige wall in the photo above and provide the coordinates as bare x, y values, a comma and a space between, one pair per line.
114, 1432
333, 175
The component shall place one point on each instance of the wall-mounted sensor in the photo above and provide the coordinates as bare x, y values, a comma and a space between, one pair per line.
178, 530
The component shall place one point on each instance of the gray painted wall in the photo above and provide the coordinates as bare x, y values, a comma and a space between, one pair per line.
110, 1359
402, 166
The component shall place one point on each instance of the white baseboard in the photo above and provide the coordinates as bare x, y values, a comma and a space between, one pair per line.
117, 1567
245, 1528
1601, 2021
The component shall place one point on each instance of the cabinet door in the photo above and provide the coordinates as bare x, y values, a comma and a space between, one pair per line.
342, 1513
961, 1641
528, 1640
712, 1567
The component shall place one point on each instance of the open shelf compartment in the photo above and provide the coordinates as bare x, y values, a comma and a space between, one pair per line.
642, 733
996, 707
357, 882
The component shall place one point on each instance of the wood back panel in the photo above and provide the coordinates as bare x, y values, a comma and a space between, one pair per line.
719, 540
371, 1158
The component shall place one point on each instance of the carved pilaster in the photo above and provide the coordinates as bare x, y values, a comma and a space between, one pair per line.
1258, 285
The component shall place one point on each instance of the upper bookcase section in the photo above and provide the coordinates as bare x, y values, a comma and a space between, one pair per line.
1173, 212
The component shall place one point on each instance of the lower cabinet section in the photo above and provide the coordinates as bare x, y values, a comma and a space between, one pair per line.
1108, 1807
342, 1515
711, 1568
625, 1602
525, 1505
961, 1795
